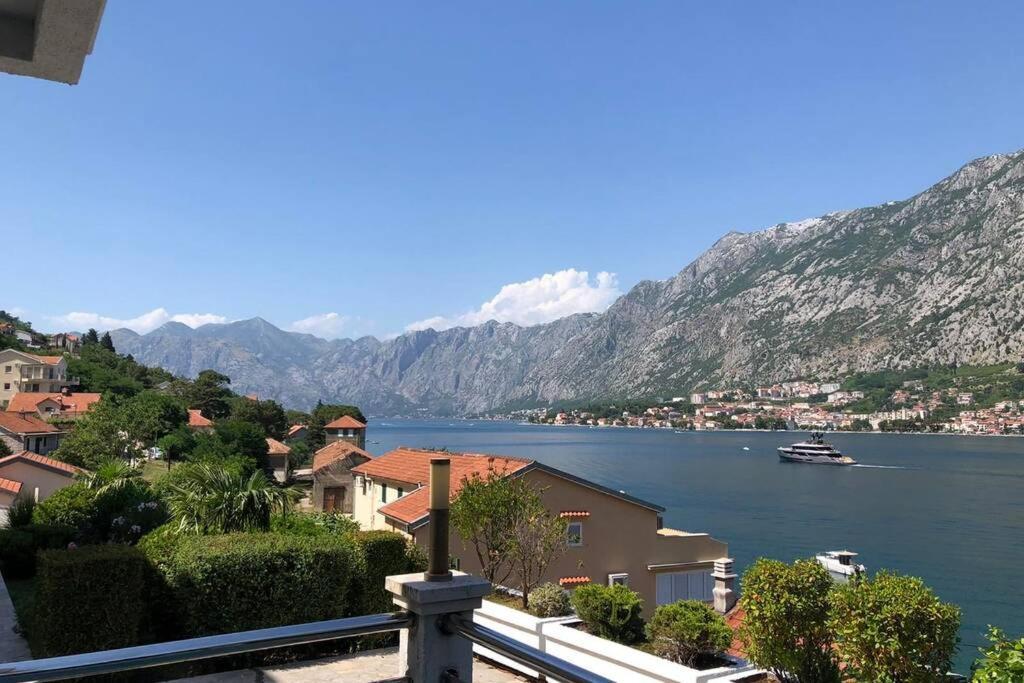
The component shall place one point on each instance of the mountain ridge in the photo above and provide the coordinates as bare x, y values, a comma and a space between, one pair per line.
936, 277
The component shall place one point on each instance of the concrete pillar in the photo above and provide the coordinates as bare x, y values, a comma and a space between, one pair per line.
425, 651
725, 580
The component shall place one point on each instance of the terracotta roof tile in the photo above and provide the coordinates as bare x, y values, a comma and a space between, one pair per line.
27, 401
573, 580
337, 451
25, 423
42, 460
295, 429
10, 485
275, 447
345, 422
196, 419
49, 360
412, 466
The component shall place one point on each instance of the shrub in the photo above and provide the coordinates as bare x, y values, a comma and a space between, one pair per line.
90, 598
71, 506
687, 631
1000, 662
786, 626
384, 553
20, 512
611, 612
313, 524
549, 600
237, 582
893, 628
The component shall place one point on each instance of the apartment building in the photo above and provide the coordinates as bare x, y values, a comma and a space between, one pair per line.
20, 371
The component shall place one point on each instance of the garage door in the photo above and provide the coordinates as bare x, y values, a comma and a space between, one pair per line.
696, 584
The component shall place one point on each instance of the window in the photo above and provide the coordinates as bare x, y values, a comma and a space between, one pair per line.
454, 562
383, 493
618, 579
7, 368
7, 385
400, 491
574, 534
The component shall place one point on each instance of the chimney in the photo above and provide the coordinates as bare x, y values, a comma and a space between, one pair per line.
66, 391
725, 579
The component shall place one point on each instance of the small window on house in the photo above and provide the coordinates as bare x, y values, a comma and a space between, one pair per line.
7, 368
383, 493
618, 579
7, 385
400, 491
574, 534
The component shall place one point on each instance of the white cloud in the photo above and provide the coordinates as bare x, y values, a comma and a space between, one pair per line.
80, 320
326, 325
540, 300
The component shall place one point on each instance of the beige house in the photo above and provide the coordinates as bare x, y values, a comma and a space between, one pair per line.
332, 476
20, 371
348, 429
62, 406
31, 474
612, 537
28, 432
277, 458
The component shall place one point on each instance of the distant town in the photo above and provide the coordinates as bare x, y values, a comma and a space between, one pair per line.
979, 401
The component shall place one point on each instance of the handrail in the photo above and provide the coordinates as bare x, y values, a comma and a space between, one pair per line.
158, 654
549, 665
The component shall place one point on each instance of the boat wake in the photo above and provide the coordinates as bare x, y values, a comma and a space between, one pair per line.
880, 467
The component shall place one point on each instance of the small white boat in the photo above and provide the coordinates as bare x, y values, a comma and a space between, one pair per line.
746, 448
815, 452
840, 564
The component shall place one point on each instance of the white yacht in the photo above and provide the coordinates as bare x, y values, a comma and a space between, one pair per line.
814, 451
840, 564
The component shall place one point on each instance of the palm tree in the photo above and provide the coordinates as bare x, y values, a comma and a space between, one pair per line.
111, 474
208, 498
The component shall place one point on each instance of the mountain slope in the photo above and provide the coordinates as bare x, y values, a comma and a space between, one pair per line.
935, 278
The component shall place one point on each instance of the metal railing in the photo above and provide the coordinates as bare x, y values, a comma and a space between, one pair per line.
193, 649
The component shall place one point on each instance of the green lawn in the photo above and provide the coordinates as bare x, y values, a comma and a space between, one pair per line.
154, 469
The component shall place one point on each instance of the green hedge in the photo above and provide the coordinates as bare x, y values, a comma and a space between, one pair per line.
90, 598
18, 547
237, 582
385, 553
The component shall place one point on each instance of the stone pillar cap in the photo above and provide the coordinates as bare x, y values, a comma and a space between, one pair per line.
415, 589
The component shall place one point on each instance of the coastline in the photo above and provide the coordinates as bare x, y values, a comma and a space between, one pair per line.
767, 431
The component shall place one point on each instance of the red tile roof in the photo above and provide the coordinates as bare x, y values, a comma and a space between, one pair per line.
27, 401
41, 460
337, 451
573, 580
275, 447
345, 422
734, 620
49, 360
412, 466
295, 429
26, 423
196, 419
10, 485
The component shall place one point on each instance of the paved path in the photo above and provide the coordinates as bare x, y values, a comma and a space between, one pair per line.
364, 667
13, 647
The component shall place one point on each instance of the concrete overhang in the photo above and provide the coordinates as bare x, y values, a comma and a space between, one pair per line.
48, 39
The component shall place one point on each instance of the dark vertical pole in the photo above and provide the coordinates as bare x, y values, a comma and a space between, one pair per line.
437, 566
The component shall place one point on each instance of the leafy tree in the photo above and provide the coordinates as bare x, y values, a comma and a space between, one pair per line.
149, 416
329, 412
297, 417
107, 343
611, 612
91, 337
210, 499
536, 537
177, 445
1000, 662
267, 414
893, 628
209, 393
786, 627
99, 434
482, 515
243, 438
5, 450
686, 631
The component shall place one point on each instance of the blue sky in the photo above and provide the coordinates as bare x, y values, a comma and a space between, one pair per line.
364, 167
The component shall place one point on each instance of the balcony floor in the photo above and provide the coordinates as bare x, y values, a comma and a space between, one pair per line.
364, 667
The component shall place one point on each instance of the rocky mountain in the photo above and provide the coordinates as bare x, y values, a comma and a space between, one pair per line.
935, 278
